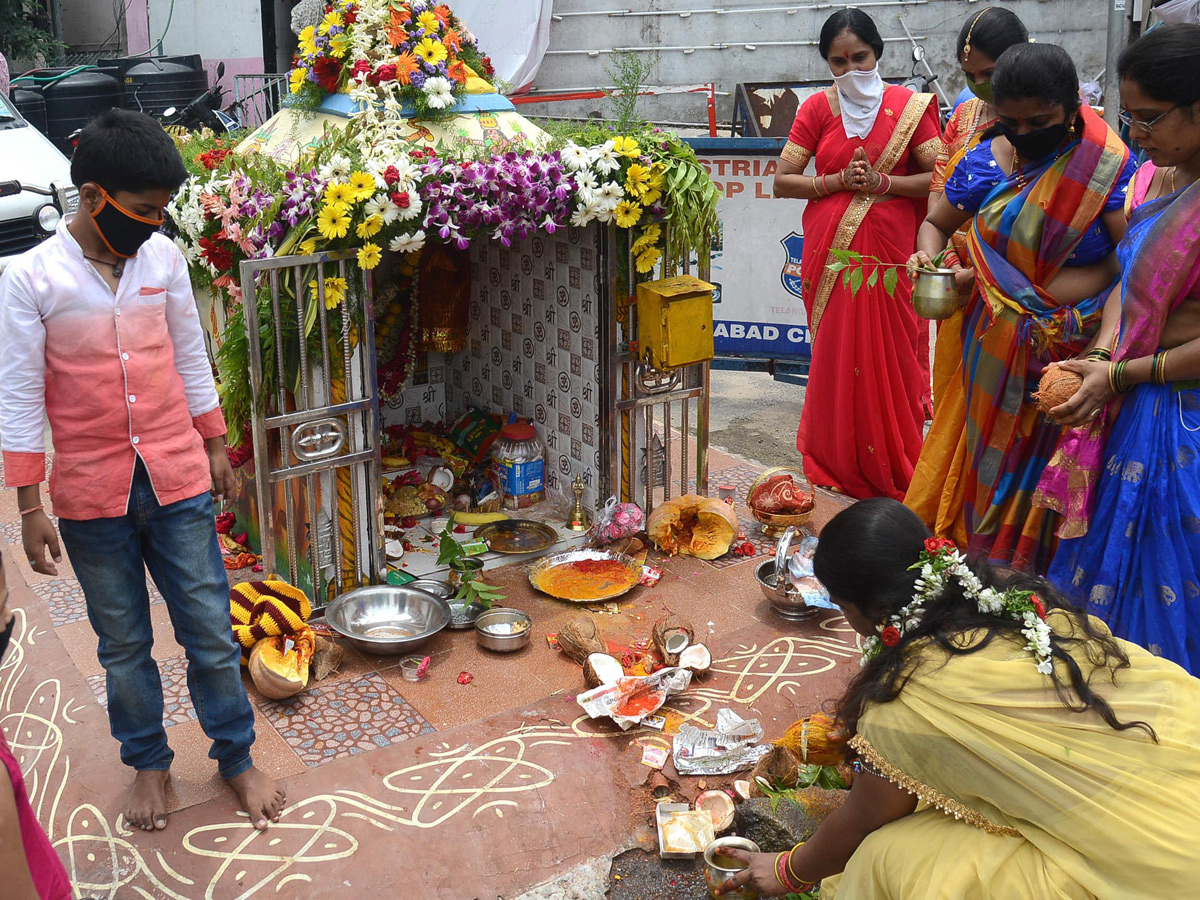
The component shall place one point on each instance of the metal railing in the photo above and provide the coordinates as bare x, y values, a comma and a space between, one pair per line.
259, 96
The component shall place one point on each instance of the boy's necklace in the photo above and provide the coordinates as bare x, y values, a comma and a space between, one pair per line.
118, 268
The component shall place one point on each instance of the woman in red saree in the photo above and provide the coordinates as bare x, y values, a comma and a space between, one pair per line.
874, 146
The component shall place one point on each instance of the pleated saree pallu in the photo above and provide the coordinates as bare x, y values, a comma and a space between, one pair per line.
1021, 237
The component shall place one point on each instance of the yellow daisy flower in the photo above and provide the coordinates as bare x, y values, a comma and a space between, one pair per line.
658, 176
333, 223
429, 22
626, 146
637, 179
362, 185
370, 226
308, 42
628, 214
332, 20
339, 193
650, 196
650, 236
297, 79
335, 291
648, 260
307, 248
338, 45
369, 256
431, 51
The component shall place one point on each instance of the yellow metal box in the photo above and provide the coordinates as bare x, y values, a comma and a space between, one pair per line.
675, 321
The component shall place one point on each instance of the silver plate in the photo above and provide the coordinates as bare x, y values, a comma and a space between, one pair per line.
517, 537
558, 559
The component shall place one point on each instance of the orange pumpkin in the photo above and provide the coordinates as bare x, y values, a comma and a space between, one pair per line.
279, 675
692, 525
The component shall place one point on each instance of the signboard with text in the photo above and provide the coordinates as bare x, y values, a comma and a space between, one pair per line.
759, 309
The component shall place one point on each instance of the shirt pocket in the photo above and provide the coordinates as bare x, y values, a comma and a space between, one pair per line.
152, 296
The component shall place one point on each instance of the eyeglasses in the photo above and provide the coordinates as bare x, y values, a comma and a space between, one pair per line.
1130, 122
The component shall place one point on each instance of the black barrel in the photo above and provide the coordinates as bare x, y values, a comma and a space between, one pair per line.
154, 85
73, 101
32, 105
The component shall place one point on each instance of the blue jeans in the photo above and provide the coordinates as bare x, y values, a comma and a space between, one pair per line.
178, 544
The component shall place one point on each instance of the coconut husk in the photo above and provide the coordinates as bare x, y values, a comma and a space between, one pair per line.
592, 677
580, 638
1056, 387
327, 658
779, 767
815, 740
663, 628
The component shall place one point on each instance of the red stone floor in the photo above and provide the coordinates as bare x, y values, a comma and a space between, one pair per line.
431, 789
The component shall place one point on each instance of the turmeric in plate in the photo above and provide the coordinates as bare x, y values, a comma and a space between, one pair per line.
587, 579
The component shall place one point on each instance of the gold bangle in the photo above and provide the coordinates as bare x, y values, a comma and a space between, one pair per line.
1112, 381
792, 871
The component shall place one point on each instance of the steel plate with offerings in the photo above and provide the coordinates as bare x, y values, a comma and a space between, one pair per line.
516, 536
585, 576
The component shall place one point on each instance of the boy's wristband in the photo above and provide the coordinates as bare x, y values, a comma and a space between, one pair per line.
31, 510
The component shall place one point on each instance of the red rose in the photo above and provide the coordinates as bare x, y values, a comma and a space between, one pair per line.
350, 17
890, 636
418, 154
391, 175
936, 545
1038, 606
329, 74
362, 67
400, 198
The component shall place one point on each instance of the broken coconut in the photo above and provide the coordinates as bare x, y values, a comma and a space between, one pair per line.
279, 672
692, 525
664, 629
580, 638
600, 669
719, 805
696, 657
1056, 387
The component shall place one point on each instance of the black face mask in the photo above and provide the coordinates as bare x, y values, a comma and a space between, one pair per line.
123, 232
6, 636
1036, 144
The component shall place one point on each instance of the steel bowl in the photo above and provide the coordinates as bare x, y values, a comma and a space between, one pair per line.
719, 869
386, 619
786, 601
443, 590
935, 295
503, 630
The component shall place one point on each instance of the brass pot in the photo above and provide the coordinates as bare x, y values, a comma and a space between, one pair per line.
719, 869
935, 295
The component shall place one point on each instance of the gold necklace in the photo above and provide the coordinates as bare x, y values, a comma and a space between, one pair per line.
1174, 169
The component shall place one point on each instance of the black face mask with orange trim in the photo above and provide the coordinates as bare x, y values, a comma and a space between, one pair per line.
123, 232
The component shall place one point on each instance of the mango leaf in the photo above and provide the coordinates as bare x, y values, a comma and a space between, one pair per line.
890, 278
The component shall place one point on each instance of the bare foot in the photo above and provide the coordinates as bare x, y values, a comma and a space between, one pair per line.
261, 798
147, 805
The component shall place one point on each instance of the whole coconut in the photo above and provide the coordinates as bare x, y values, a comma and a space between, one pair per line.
1056, 387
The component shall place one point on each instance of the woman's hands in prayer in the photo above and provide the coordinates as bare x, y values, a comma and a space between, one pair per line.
860, 175
760, 873
1090, 399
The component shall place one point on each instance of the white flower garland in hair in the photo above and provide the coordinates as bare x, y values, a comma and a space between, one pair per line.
939, 562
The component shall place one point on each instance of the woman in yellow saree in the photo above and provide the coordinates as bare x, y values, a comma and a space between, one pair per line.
1006, 744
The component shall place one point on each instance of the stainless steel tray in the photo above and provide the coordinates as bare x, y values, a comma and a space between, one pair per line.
517, 537
558, 559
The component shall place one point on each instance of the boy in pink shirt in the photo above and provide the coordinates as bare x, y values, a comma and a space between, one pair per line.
99, 331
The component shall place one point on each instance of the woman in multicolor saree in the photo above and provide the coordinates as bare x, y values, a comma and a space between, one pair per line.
1137, 565
934, 493
874, 146
1045, 197
1006, 745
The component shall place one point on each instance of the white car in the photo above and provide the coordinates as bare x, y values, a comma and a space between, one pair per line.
35, 184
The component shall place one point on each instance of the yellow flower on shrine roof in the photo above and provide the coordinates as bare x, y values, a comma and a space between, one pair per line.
648, 259
308, 42
369, 256
335, 291
626, 146
331, 20
628, 214
431, 51
370, 226
429, 22
297, 79
637, 179
363, 186
339, 193
333, 222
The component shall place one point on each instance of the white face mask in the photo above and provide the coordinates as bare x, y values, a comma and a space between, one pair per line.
860, 95
1179, 12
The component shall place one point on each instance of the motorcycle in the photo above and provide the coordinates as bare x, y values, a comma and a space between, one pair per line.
203, 112
926, 82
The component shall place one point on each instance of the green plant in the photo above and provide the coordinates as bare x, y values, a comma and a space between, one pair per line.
25, 31
472, 589
853, 265
630, 73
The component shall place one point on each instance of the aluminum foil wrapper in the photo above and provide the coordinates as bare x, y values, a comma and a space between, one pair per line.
733, 746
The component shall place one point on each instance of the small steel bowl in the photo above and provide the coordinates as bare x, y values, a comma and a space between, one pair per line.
935, 295
785, 601
719, 869
503, 630
443, 590
386, 619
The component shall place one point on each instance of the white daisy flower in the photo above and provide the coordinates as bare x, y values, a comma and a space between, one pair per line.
606, 159
584, 215
338, 167
574, 157
586, 179
439, 92
610, 192
408, 243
